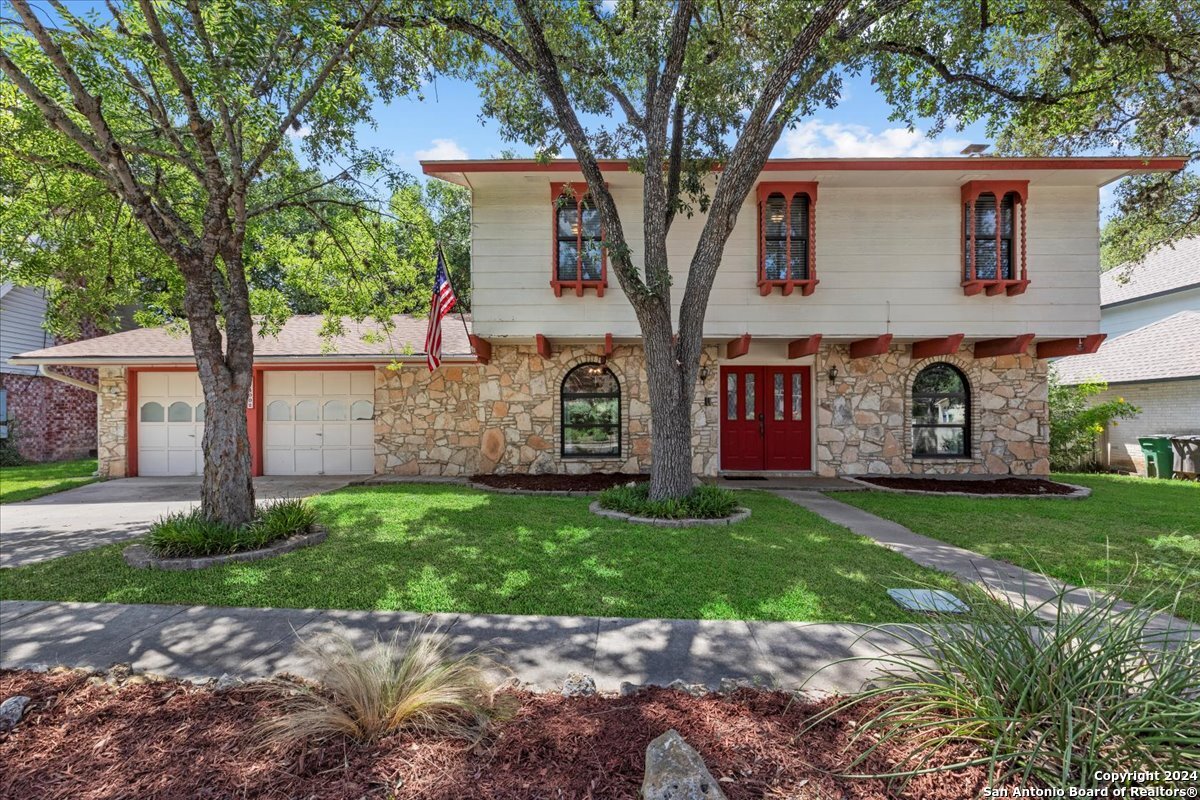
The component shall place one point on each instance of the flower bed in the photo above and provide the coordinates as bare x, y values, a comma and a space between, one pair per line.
590, 483
990, 487
706, 505
175, 739
189, 534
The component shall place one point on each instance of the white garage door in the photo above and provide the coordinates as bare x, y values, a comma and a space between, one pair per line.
170, 423
319, 423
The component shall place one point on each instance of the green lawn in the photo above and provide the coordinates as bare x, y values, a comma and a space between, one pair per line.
1126, 523
34, 480
444, 548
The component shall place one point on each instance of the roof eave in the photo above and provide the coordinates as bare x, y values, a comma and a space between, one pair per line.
168, 361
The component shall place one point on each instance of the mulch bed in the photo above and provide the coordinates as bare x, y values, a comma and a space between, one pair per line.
175, 740
595, 482
1030, 486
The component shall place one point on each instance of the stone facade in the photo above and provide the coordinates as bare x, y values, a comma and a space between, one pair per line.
111, 433
505, 417
863, 417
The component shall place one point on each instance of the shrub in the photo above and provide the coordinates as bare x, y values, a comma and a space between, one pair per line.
1098, 690
188, 534
395, 685
1075, 423
705, 502
10, 455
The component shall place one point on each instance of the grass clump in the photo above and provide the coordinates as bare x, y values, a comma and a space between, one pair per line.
394, 685
1099, 690
705, 502
189, 534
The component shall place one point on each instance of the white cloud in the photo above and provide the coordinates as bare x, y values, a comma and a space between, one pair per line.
442, 150
817, 139
300, 133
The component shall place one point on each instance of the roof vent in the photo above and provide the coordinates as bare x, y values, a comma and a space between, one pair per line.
973, 150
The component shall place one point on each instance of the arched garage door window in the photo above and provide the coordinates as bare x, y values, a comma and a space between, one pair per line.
591, 413
941, 413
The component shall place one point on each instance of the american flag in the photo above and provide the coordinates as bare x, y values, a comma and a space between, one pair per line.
443, 301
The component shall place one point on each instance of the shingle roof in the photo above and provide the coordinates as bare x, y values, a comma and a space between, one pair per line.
1165, 350
1164, 270
300, 336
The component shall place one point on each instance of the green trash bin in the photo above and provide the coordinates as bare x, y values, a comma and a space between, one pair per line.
1160, 456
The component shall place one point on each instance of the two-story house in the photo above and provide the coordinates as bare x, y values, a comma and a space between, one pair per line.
869, 316
1151, 313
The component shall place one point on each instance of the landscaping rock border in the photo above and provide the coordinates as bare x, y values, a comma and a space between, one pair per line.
740, 513
139, 556
1079, 493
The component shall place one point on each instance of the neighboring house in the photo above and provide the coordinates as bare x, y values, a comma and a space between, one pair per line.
1151, 312
49, 420
882, 316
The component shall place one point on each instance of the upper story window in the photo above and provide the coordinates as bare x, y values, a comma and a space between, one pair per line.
579, 258
940, 413
787, 247
994, 237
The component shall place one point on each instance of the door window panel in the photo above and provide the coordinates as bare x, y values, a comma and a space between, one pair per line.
779, 398
731, 395
152, 412
750, 395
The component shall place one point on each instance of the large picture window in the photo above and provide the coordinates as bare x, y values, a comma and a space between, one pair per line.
941, 419
591, 412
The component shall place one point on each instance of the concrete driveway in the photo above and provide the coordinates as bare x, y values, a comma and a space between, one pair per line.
118, 510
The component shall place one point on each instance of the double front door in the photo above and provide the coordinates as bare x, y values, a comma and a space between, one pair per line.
765, 418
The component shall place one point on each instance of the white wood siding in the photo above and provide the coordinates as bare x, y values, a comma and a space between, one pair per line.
1116, 320
22, 312
883, 253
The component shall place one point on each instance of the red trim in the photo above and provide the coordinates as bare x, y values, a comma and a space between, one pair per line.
875, 346
543, 346
608, 346
971, 283
799, 348
131, 422
789, 190
483, 349
1077, 346
580, 190
1010, 346
254, 422
976, 163
311, 367
946, 345
738, 347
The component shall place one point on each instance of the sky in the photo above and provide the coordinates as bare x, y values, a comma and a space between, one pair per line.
446, 124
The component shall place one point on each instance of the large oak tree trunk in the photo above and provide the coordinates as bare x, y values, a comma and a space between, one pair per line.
226, 368
671, 385
227, 493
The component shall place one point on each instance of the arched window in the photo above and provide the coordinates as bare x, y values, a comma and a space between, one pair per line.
152, 412
591, 412
941, 413
787, 237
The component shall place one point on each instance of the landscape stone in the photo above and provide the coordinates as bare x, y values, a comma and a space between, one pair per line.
675, 771
11, 711
578, 684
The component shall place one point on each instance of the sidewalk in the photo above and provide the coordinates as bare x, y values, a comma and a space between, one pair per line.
204, 642
1020, 587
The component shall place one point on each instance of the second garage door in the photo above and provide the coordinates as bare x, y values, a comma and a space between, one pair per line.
319, 423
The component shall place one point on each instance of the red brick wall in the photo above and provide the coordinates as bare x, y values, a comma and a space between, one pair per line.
53, 420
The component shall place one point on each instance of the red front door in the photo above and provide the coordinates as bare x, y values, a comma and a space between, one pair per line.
764, 418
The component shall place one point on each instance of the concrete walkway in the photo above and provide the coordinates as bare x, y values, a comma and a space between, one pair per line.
1021, 587
203, 642
115, 511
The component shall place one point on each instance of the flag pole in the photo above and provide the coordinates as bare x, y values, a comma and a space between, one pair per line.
457, 303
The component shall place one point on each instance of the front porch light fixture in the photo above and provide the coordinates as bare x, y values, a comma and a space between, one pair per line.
832, 373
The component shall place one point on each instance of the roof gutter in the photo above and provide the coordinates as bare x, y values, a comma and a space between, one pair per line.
137, 361
46, 372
